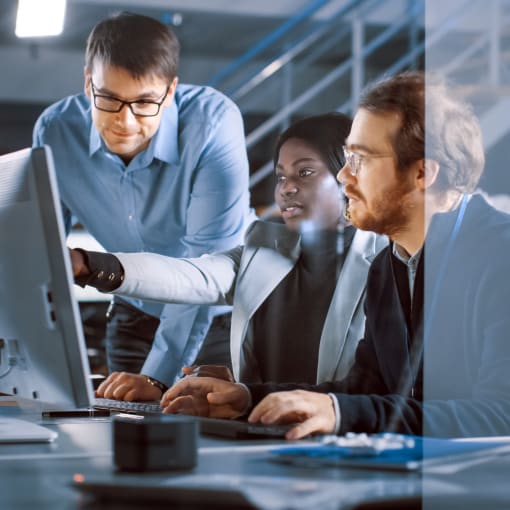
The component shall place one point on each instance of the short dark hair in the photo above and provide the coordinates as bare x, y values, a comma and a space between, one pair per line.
434, 125
140, 44
326, 133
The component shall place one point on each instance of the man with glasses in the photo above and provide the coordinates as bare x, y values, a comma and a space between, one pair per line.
435, 355
145, 164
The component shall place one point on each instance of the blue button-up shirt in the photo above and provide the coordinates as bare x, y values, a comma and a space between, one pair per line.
186, 194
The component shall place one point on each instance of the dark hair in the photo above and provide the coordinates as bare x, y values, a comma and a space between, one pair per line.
140, 44
434, 125
325, 133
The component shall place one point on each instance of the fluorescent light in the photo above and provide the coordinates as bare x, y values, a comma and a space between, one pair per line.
37, 18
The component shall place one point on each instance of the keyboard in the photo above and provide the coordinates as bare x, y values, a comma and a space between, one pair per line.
122, 406
235, 429
240, 429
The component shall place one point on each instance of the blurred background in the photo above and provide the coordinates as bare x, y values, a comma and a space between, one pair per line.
279, 60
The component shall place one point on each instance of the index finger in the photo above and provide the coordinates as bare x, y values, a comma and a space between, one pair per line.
189, 369
261, 409
116, 390
304, 429
104, 385
183, 387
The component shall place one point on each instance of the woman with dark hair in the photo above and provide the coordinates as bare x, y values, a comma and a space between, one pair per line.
296, 288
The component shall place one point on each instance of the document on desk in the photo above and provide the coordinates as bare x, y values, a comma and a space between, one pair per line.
395, 452
13, 430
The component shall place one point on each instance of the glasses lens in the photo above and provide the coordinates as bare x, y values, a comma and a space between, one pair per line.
351, 160
108, 104
354, 163
346, 155
145, 108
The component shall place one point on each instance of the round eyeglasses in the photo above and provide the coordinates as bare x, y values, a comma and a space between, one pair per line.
139, 107
355, 160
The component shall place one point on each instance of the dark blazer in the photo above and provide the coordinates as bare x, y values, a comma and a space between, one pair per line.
443, 368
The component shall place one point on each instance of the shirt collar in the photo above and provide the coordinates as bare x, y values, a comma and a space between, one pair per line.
164, 145
404, 257
95, 141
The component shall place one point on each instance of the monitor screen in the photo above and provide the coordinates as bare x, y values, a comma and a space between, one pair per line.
42, 348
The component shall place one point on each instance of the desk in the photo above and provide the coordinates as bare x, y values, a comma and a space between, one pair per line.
38, 476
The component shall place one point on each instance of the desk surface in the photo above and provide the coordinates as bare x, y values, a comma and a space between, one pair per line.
40, 475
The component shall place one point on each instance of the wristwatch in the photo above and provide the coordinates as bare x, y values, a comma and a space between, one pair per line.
157, 384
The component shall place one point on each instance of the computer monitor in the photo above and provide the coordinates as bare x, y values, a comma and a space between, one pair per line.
42, 348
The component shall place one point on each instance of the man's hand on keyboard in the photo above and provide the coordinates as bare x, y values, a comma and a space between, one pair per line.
313, 412
206, 396
126, 386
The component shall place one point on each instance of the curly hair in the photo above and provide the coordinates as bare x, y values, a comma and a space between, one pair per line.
434, 125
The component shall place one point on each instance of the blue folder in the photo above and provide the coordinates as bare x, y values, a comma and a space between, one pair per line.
407, 453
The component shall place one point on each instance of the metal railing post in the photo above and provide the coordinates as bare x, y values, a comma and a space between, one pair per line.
358, 62
495, 43
287, 85
413, 35
267, 41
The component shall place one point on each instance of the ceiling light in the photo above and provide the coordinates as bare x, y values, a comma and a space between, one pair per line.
38, 18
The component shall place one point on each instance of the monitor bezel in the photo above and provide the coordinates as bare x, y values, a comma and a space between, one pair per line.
72, 381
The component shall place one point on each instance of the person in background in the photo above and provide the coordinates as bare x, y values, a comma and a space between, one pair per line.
147, 164
435, 355
297, 288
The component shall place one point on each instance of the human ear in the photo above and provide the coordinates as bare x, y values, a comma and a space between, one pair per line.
173, 85
171, 91
427, 173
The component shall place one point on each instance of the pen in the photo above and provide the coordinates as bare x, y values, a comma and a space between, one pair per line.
77, 413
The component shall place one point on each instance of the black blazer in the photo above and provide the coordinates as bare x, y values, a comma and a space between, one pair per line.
442, 368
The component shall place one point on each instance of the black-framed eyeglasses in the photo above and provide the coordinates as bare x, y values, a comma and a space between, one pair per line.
139, 107
355, 160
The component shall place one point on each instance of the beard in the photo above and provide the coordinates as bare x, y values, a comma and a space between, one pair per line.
389, 214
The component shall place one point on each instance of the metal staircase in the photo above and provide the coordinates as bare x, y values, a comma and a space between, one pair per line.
320, 59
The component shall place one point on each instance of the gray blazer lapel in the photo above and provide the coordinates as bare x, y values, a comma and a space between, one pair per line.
344, 324
269, 254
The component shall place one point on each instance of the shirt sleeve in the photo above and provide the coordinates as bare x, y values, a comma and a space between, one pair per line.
106, 271
218, 208
336, 408
38, 140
